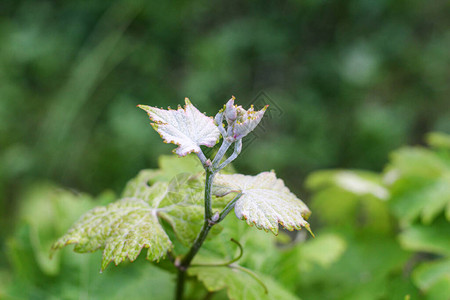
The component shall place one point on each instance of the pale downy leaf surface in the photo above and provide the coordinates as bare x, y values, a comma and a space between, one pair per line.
247, 121
240, 121
240, 285
188, 128
265, 201
127, 226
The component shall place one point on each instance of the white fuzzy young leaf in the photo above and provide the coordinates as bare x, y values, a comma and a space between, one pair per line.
247, 121
188, 128
240, 121
265, 201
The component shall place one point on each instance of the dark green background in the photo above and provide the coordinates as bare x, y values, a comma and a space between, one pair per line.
353, 80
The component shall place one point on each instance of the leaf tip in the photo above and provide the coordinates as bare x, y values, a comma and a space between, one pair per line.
144, 107
309, 230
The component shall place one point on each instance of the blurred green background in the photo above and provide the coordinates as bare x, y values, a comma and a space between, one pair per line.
348, 82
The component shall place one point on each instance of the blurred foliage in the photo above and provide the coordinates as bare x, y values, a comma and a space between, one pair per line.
366, 247
395, 226
347, 81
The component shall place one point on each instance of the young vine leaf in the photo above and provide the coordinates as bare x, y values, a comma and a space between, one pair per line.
123, 228
265, 201
240, 121
188, 128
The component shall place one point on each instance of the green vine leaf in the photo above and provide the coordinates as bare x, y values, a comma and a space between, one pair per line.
188, 128
180, 203
122, 229
183, 206
265, 201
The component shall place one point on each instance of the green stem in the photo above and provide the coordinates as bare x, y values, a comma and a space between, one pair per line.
208, 223
237, 151
196, 246
185, 263
208, 194
181, 277
222, 150
228, 208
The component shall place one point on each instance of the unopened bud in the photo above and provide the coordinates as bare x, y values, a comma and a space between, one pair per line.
230, 111
215, 217
208, 163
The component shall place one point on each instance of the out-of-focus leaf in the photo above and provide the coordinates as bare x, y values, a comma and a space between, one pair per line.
239, 284
434, 238
437, 199
357, 182
188, 128
440, 290
336, 206
363, 271
49, 210
428, 275
438, 140
418, 162
350, 197
323, 250
358, 185
265, 201
422, 185
5, 279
